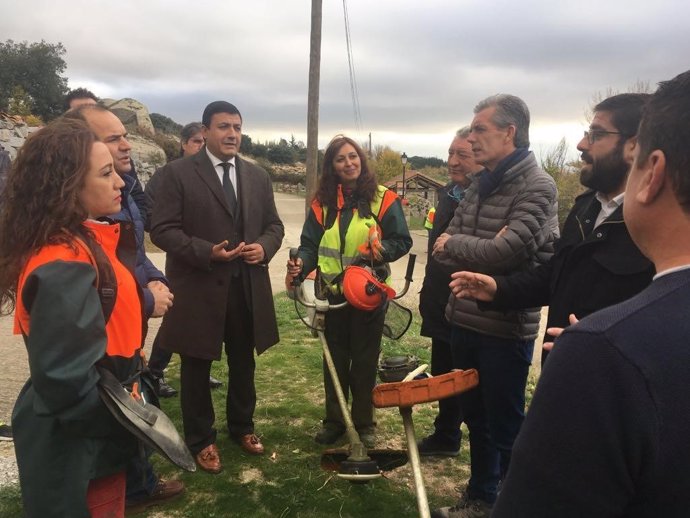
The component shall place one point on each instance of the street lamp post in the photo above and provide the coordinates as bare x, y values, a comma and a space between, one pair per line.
403, 159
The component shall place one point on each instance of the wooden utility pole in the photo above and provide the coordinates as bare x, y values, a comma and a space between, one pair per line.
313, 103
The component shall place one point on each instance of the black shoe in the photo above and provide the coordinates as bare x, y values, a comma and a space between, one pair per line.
432, 445
214, 383
5, 432
163, 389
328, 435
368, 439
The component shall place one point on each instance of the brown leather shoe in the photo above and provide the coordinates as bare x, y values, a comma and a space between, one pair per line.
165, 490
208, 459
251, 444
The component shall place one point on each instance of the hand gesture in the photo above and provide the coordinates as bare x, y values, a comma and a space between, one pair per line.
558, 331
253, 253
470, 285
219, 253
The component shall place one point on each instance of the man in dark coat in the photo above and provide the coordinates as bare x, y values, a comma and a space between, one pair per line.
445, 440
619, 446
216, 218
596, 263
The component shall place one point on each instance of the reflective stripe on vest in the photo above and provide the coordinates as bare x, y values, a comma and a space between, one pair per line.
332, 260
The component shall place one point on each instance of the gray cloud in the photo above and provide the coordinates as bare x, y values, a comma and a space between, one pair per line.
421, 66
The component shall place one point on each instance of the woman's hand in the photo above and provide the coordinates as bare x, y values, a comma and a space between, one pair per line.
294, 267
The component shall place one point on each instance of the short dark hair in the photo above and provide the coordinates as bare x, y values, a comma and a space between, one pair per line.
665, 127
626, 111
78, 93
188, 132
218, 107
510, 110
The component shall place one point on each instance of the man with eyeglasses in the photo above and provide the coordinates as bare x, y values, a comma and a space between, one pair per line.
596, 263
445, 441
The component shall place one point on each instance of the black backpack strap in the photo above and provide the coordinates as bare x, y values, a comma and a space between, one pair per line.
106, 282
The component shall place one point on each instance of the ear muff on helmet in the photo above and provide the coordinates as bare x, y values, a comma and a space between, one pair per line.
363, 290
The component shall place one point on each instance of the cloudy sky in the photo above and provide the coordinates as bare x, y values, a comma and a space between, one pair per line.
420, 66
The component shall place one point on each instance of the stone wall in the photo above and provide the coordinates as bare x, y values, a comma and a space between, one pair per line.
13, 133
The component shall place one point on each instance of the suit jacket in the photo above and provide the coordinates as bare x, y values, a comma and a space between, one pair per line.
607, 431
191, 215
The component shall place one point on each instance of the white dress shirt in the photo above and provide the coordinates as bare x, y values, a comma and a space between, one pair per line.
232, 173
608, 207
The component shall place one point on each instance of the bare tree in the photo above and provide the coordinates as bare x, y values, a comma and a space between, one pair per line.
638, 87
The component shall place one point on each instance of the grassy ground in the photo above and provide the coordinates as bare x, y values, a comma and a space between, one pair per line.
287, 481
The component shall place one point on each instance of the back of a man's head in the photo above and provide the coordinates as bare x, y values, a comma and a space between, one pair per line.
79, 97
626, 111
510, 110
665, 126
82, 112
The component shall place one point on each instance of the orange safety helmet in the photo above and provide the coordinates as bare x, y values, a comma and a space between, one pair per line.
363, 290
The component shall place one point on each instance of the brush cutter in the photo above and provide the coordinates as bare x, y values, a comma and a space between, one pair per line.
410, 392
355, 464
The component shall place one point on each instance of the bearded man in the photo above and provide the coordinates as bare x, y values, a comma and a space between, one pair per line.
596, 263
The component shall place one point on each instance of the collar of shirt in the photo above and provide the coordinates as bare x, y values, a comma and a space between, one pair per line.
608, 207
671, 270
232, 172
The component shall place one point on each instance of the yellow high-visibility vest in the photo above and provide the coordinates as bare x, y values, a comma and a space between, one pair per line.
334, 255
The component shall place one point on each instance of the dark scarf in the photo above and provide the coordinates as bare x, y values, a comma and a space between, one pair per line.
489, 180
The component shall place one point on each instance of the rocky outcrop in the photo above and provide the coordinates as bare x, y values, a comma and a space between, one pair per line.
147, 155
133, 114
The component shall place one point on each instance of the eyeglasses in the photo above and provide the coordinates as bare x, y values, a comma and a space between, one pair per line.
593, 135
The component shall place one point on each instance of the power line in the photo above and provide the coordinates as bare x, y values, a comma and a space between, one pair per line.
353, 78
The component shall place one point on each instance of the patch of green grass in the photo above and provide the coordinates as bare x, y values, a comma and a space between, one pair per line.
10, 501
287, 480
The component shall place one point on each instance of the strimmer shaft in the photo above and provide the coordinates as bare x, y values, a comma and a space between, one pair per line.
413, 452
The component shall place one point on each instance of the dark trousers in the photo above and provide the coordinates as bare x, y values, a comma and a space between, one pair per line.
449, 418
354, 340
198, 416
494, 411
159, 358
141, 480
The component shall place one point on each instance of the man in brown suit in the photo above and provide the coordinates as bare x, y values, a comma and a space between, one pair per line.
216, 218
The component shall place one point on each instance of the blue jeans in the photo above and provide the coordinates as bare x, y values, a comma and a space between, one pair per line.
159, 358
494, 411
